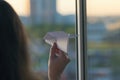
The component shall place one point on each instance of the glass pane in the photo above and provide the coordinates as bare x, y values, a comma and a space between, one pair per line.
40, 17
103, 38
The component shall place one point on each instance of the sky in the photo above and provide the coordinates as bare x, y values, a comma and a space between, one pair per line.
103, 7
22, 7
66, 7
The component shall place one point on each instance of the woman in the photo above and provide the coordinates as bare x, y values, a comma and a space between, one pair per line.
14, 58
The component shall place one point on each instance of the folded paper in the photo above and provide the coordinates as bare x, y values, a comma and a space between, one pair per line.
60, 38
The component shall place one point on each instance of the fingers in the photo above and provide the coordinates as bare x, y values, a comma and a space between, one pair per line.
57, 53
53, 51
64, 56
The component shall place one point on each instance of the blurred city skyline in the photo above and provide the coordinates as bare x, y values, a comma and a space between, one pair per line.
67, 7
22, 7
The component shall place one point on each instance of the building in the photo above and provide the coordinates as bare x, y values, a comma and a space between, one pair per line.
43, 11
96, 31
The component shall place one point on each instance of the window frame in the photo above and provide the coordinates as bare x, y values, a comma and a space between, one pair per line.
81, 40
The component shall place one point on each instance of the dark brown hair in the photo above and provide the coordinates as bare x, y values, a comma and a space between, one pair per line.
14, 59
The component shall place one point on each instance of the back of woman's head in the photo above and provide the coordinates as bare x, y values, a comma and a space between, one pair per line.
13, 46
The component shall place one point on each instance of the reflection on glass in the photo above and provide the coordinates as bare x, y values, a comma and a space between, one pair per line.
40, 17
103, 31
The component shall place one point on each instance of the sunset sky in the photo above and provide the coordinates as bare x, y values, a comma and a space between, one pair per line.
22, 7
65, 7
103, 7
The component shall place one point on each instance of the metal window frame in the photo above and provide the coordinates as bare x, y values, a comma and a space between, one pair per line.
81, 41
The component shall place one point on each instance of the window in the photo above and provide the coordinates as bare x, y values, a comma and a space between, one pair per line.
103, 30
98, 30
98, 48
46, 16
